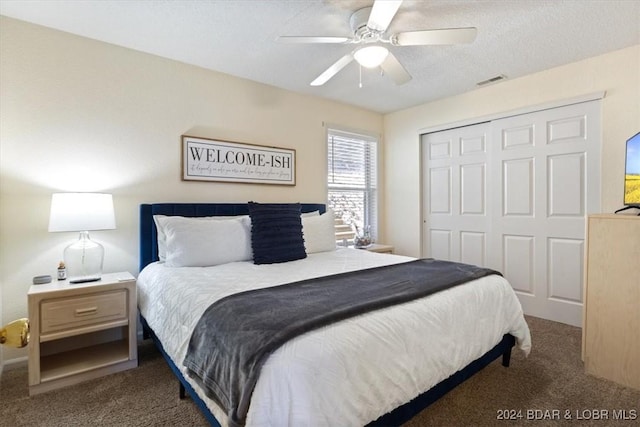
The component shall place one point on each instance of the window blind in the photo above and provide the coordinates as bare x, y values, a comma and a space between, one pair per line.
352, 178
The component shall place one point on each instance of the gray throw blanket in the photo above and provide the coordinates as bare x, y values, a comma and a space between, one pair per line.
236, 334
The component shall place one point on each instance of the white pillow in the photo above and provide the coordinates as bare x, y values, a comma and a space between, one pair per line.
319, 232
313, 213
162, 238
191, 242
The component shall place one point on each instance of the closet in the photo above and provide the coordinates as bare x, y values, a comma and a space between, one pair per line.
513, 194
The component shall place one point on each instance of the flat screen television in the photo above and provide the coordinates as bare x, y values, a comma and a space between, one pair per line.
632, 172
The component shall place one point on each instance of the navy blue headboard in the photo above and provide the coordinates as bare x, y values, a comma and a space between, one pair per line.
148, 232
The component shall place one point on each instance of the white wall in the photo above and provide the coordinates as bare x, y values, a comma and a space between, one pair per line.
617, 73
81, 115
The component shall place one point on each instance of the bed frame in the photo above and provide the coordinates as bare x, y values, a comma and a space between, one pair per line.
400, 415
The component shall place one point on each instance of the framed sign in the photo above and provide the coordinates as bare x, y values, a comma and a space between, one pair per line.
212, 160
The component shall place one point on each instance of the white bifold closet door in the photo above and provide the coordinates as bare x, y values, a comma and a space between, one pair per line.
513, 194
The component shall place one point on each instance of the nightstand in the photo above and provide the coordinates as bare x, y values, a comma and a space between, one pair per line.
380, 248
81, 331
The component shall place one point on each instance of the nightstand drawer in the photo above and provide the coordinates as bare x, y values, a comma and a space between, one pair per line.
66, 313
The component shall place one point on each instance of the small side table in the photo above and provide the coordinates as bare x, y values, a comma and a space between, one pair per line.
380, 248
81, 331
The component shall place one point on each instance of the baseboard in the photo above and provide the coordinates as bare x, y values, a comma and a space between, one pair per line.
18, 362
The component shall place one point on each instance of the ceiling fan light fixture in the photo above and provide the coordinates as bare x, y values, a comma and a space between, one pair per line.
371, 56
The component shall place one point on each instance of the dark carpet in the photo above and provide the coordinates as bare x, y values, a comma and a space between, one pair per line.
549, 388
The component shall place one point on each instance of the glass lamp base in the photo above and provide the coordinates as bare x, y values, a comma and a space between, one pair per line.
83, 260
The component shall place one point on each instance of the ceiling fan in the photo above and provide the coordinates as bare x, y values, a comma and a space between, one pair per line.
369, 26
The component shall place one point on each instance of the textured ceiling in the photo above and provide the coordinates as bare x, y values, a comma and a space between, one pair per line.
238, 37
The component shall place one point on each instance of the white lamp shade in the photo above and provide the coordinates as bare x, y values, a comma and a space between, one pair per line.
81, 212
371, 56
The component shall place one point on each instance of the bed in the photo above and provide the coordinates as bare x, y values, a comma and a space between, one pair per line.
377, 368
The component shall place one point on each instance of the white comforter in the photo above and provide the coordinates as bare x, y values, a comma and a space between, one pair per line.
351, 372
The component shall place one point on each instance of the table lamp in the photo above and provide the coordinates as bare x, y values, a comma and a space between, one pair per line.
82, 212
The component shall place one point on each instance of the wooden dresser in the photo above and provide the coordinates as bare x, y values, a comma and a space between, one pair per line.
611, 332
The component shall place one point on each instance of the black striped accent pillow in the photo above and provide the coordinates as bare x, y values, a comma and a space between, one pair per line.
276, 232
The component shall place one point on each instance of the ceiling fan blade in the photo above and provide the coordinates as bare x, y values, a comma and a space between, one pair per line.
430, 37
392, 67
312, 39
332, 70
382, 13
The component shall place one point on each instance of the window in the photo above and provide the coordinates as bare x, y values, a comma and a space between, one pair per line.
352, 179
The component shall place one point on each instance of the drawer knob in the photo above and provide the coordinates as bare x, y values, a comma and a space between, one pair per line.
86, 311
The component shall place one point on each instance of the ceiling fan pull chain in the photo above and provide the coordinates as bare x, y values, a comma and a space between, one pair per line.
360, 68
